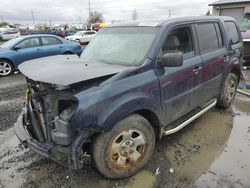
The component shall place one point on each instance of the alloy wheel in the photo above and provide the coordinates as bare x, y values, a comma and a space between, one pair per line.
5, 68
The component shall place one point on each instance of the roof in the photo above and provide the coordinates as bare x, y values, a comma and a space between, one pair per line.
39, 35
149, 23
222, 2
159, 23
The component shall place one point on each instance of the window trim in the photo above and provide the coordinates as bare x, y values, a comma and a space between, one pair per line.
220, 32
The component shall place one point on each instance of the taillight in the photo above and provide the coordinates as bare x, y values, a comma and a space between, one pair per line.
79, 45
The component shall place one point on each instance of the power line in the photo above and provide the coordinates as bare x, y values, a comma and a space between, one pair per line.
89, 10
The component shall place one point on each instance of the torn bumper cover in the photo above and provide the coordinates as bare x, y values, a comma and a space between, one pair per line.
71, 155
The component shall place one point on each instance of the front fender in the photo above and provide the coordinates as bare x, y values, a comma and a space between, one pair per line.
118, 110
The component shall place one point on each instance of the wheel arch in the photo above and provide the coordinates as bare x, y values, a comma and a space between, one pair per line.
68, 52
11, 62
140, 106
152, 118
237, 71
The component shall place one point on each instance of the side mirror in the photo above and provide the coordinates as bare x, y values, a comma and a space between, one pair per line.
171, 60
16, 48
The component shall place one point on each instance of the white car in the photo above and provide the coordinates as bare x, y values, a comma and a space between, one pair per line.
82, 36
9, 35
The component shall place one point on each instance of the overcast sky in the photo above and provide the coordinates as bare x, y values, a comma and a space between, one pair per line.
72, 11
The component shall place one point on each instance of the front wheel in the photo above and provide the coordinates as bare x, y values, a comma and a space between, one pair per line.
125, 149
226, 98
5, 68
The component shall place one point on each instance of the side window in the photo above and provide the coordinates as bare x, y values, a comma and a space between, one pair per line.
50, 41
207, 35
179, 40
232, 32
29, 43
89, 33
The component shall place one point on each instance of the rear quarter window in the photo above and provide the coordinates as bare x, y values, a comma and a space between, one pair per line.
232, 31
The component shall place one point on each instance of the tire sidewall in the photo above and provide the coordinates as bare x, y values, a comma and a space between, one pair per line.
101, 159
222, 101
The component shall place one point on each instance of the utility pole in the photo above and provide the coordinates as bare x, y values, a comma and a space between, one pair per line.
32, 15
89, 11
1, 18
169, 13
80, 19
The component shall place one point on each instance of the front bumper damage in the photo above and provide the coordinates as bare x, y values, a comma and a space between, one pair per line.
70, 156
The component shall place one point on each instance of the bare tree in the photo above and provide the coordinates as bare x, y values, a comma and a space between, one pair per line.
134, 15
2, 24
95, 17
208, 13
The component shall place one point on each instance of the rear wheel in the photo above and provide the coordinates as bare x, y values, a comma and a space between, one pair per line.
229, 91
67, 53
125, 149
5, 68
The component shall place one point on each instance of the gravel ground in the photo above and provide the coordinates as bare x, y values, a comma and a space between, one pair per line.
194, 157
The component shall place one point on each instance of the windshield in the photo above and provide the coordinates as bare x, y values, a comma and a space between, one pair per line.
245, 23
10, 43
123, 46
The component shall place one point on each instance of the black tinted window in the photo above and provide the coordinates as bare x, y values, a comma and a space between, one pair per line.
89, 33
50, 41
232, 32
207, 35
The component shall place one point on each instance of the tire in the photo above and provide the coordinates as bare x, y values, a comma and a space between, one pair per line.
125, 149
227, 96
6, 67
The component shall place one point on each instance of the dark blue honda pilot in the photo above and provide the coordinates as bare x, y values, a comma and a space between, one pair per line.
134, 83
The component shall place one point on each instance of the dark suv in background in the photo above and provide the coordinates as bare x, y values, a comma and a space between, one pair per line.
134, 83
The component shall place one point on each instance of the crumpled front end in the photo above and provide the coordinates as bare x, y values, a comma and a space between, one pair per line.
44, 124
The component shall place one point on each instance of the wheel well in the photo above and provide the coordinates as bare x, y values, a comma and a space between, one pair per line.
9, 61
152, 118
68, 52
237, 72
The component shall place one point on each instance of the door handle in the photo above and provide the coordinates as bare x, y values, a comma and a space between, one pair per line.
60, 47
39, 49
196, 69
226, 58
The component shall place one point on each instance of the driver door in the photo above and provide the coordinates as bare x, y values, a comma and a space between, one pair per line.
181, 87
27, 49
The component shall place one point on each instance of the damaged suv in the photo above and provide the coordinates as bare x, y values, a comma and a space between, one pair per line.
134, 83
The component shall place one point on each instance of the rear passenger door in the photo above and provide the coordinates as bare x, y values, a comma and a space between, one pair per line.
214, 55
181, 87
51, 46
